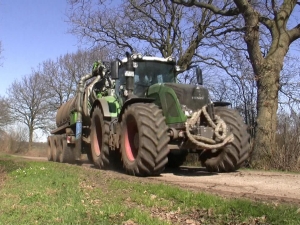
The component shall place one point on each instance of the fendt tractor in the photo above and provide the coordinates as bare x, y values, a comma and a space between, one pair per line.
133, 113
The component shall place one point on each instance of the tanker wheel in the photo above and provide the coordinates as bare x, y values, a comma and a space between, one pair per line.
144, 140
99, 139
54, 149
50, 143
233, 155
66, 155
176, 158
59, 148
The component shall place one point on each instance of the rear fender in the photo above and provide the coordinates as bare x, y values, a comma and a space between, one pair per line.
133, 101
103, 105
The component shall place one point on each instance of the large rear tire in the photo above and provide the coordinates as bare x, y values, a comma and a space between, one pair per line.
144, 140
232, 156
99, 139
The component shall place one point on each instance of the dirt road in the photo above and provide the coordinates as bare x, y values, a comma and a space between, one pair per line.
274, 186
257, 185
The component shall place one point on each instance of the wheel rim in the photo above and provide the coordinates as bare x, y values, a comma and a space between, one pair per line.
97, 137
131, 139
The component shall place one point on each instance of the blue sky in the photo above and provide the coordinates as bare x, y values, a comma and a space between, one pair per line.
31, 31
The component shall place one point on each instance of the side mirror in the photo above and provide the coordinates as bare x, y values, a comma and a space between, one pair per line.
114, 70
199, 76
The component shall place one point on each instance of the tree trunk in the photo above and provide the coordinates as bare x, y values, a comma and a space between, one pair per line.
30, 138
267, 105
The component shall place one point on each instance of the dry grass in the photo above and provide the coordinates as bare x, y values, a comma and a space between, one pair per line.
2, 175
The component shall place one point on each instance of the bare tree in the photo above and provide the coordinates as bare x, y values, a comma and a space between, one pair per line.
28, 103
266, 55
5, 114
147, 26
289, 95
63, 74
237, 85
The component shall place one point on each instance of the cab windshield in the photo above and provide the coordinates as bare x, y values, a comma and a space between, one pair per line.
148, 73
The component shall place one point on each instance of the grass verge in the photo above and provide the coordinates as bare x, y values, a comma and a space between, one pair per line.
51, 193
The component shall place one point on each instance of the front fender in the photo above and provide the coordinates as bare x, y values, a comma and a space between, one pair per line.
133, 101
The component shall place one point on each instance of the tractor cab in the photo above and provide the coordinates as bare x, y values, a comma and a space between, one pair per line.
147, 71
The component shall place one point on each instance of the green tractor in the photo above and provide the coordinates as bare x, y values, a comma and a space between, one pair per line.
134, 113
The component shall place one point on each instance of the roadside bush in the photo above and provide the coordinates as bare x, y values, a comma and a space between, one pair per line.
13, 141
286, 154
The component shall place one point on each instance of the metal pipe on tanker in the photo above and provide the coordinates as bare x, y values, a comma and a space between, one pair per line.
78, 134
99, 69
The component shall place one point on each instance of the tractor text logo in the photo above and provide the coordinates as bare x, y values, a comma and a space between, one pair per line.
197, 97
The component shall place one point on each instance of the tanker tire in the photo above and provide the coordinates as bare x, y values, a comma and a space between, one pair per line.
144, 140
176, 158
59, 147
66, 155
49, 148
232, 156
99, 139
55, 149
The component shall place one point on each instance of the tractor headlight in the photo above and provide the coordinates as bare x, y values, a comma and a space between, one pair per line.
179, 69
136, 56
188, 112
171, 59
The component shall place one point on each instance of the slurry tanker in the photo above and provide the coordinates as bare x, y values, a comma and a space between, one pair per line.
132, 113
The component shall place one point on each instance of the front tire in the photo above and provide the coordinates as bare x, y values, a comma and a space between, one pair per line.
232, 156
99, 139
144, 140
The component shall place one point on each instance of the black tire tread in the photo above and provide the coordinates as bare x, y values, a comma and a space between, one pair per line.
56, 148
153, 149
50, 142
66, 155
232, 156
101, 161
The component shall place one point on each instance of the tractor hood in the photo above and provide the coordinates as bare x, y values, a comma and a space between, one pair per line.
192, 96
